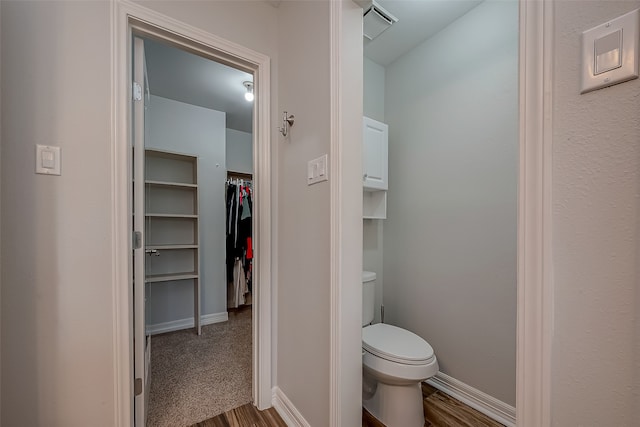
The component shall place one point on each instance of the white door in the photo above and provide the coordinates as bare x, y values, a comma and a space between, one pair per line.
141, 345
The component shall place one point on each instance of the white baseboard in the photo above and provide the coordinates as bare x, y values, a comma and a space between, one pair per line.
289, 414
176, 325
482, 402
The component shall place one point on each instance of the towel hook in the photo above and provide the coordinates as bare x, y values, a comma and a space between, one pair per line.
287, 122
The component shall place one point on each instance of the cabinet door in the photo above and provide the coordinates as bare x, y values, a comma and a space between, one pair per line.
375, 137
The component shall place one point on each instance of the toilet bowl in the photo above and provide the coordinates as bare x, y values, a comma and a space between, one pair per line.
394, 363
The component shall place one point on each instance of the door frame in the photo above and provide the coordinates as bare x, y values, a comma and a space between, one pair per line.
535, 278
535, 262
127, 19
534, 257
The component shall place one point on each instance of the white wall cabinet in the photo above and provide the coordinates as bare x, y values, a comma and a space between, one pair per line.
375, 174
172, 222
375, 168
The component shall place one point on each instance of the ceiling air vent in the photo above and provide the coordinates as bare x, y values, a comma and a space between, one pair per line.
376, 20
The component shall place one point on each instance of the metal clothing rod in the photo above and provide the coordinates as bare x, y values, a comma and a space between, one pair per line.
239, 175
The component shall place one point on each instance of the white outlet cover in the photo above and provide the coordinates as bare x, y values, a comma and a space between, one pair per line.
601, 44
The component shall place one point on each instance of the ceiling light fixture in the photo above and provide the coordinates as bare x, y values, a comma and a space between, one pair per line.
249, 95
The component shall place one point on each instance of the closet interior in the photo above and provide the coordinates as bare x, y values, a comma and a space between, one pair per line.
239, 209
198, 190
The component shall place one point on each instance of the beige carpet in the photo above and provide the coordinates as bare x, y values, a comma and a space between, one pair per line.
194, 378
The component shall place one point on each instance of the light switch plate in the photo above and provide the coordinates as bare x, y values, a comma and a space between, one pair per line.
317, 170
48, 160
610, 52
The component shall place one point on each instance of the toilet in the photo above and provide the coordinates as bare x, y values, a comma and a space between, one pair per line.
394, 363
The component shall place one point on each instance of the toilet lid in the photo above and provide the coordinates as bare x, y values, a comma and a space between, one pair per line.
396, 344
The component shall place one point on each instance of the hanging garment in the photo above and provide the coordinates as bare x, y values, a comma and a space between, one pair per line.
239, 243
231, 230
249, 254
239, 284
246, 208
238, 247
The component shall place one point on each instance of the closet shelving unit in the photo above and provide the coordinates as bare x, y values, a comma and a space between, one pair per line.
172, 221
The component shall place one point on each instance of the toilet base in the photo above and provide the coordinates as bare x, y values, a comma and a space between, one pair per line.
396, 405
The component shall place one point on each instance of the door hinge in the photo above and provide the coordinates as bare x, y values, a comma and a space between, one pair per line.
137, 239
137, 387
137, 92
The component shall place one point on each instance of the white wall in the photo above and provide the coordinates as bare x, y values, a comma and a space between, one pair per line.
450, 237
596, 183
239, 151
57, 313
350, 241
189, 129
373, 96
373, 237
0, 222
303, 252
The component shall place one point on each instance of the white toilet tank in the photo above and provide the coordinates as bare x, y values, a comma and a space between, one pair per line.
368, 296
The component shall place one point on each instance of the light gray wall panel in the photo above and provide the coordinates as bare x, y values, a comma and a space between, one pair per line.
596, 183
239, 152
450, 237
374, 88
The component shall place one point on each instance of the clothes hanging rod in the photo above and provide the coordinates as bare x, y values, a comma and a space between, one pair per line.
240, 175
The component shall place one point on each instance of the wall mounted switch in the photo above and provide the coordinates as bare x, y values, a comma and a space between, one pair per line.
610, 52
47, 160
317, 170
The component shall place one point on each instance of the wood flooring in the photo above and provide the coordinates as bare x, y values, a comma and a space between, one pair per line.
441, 410
245, 416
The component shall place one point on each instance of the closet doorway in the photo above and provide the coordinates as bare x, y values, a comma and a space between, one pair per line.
193, 171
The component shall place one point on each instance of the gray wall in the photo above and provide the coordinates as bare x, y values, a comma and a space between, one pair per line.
303, 211
596, 184
372, 229
450, 237
373, 96
239, 151
57, 312
57, 353
58, 362
189, 129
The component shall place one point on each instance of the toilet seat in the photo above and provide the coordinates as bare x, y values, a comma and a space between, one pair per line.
396, 345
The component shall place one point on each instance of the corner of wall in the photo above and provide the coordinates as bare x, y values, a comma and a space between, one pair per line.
374, 76
1, 180
287, 411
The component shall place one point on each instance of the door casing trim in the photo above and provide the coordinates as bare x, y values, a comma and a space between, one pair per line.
535, 262
128, 18
535, 278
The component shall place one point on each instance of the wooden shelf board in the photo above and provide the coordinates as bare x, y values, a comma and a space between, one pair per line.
169, 154
172, 246
159, 215
152, 278
171, 184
